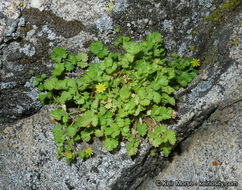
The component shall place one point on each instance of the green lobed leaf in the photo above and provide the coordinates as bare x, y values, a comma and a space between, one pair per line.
87, 118
58, 54
129, 57
125, 131
108, 62
69, 66
57, 114
95, 120
124, 93
65, 118
155, 139
156, 97
166, 150
167, 99
98, 133
130, 107
132, 47
42, 97
171, 136
50, 84
58, 133
102, 110
71, 131
59, 68
37, 80
167, 89
133, 146
79, 100
99, 49
65, 96
112, 131
82, 64
141, 93
145, 102
171, 73
60, 85
86, 134
162, 80
110, 143
82, 57
83, 154
43, 76
142, 129
77, 138
153, 38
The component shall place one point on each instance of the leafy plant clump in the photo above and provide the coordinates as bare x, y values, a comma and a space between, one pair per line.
123, 98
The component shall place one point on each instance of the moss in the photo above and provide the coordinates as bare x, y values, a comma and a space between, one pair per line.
212, 56
209, 17
230, 4
216, 16
2, 134
217, 19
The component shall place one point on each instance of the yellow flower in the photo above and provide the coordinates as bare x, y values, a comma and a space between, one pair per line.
236, 43
89, 151
109, 10
100, 88
111, 4
69, 155
195, 62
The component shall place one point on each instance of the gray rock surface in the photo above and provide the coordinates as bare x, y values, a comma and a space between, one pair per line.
211, 155
205, 29
29, 33
28, 159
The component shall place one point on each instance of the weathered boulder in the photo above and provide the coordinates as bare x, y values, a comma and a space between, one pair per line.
30, 31
206, 29
210, 158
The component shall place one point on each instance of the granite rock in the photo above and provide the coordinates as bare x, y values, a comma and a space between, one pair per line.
28, 159
29, 32
206, 29
208, 159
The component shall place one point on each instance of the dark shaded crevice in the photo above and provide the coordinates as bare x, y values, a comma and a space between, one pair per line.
133, 177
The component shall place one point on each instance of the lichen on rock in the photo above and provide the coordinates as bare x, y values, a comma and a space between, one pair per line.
29, 33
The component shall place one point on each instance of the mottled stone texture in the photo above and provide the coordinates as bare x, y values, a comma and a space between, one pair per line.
206, 29
28, 159
29, 33
212, 154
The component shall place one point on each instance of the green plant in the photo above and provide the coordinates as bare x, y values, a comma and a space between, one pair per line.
113, 99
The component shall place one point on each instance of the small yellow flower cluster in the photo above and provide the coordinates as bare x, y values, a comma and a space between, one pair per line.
195, 62
100, 88
109, 10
